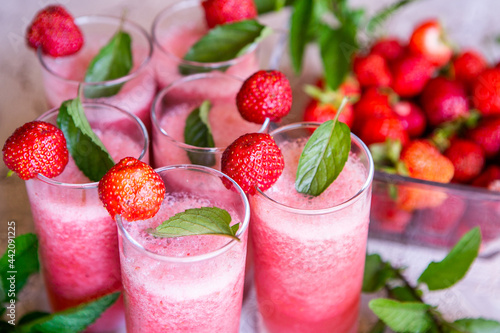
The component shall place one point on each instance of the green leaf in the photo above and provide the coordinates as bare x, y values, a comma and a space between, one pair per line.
198, 133
72, 320
410, 317
444, 274
85, 147
32, 316
299, 25
377, 273
197, 221
224, 42
379, 327
382, 15
478, 325
18, 263
324, 156
404, 294
113, 61
266, 6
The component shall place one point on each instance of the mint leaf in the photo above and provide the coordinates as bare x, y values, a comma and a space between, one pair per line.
198, 133
377, 273
266, 6
444, 274
72, 320
381, 16
379, 327
401, 316
85, 147
324, 156
113, 61
478, 325
17, 264
197, 221
300, 20
224, 42
32, 316
405, 294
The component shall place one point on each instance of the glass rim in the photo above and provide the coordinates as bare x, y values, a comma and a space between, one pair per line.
185, 4
89, 185
340, 206
155, 120
201, 257
81, 20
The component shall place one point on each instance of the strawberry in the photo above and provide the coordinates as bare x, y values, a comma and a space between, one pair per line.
317, 111
444, 100
467, 65
265, 94
487, 177
412, 118
36, 147
253, 161
410, 73
486, 92
225, 11
389, 48
467, 158
428, 39
372, 70
487, 135
54, 30
132, 189
379, 129
374, 102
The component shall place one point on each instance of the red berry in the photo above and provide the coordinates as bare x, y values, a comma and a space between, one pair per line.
444, 100
410, 73
486, 92
36, 147
389, 48
467, 158
425, 161
412, 118
487, 135
374, 102
487, 177
317, 111
372, 70
253, 161
265, 94
467, 66
225, 11
132, 189
379, 129
428, 40
54, 30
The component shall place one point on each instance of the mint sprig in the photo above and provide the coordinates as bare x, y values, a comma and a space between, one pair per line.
113, 61
84, 145
197, 221
222, 43
324, 156
197, 132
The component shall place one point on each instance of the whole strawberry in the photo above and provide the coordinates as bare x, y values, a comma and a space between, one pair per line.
412, 118
225, 11
389, 48
132, 189
253, 161
265, 94
379, 129
490, 175
36, 147
372, 71
54, 30
467, 65
467, 158
374, 102
410, 73
428, 39
486, 92
487, 135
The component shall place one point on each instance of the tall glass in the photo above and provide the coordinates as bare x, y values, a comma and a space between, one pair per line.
172, 107
175, 30
78, 239
62, 75
309, 252
185, 284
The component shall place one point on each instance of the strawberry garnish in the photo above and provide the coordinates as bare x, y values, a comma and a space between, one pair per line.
54, 30
253, 161
428, 39
132, 189
225, 11
265, 94
36, 147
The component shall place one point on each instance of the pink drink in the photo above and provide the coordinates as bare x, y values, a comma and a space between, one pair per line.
63, 75
176, 102
185, 284
309, 252
175, 30
78, 239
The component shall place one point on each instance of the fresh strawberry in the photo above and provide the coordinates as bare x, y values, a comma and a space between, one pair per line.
410, 73
379, 129
132, 189
389, 48
54, 30
467, 158
265, 94
428, 40
36, 147
374, 102
372, 71
486, 92
412, 118
317, 111
488, 176
253, 161
467, 65
225, 11
444, 100
487, 135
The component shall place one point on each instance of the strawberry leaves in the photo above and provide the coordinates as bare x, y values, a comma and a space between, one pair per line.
198, 133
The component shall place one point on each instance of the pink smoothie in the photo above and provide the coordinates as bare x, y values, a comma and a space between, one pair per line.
78, 238
162, 295
309, 265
